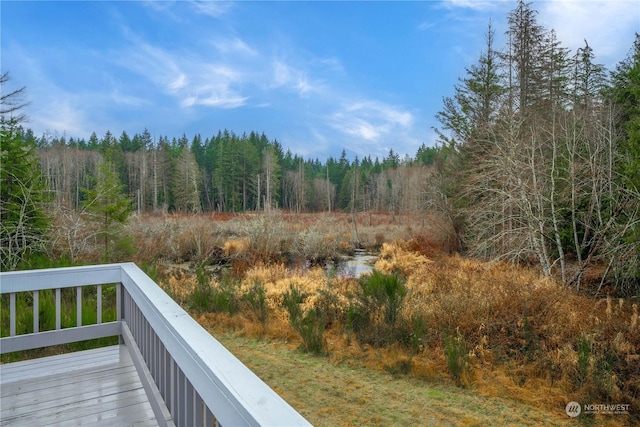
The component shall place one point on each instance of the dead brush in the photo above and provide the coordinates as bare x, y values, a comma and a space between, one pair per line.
268, 237
521, 330
315, 246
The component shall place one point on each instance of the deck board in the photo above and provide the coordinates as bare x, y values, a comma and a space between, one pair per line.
91, 387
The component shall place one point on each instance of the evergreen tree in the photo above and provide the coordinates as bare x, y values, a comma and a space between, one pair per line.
125, 142
108, 209
625, 93
469, 118
186, 183
23, 222
525, 45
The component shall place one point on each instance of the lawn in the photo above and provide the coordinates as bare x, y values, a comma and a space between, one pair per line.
344, 394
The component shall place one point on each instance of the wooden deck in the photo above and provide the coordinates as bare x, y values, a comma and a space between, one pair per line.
92, 387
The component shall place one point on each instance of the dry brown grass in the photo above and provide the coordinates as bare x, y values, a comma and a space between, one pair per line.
521, 329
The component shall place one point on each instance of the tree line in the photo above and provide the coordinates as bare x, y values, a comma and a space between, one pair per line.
229, 173
544, 156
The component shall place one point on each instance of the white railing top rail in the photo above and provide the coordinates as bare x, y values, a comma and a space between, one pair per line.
228, 388
59, 278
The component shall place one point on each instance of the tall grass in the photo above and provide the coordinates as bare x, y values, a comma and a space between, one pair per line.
499, 328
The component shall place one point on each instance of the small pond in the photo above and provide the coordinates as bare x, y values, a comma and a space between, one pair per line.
361, 262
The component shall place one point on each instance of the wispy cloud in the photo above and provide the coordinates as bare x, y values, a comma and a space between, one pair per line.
61, 115
472, 4
214, 99
214, 85
370, 124
179, 83
211, 8
189, 76
425, 25
290, 77
234, 45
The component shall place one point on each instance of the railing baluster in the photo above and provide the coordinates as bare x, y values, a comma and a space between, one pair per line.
199, 409
147, 337
99, 304
36, 312
172, 388
153, 355
58, 310
180, 394
190, 404
79, 306
167, 376
209, 418
156, 357
12, 314
119, 302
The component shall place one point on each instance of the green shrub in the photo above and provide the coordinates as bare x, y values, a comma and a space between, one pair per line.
377, 292
457, 358
413, 334
256, 299
310, 325
225, 297
584, 348
206, 297
387, 290
201, 298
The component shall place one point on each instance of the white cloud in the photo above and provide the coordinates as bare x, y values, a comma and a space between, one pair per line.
607, 25
471, 4
185, 75
290, 77
129, 100
370, 125
425, 25
234, 45
152, 63
219, 100
211, 8
179, 83
60, 116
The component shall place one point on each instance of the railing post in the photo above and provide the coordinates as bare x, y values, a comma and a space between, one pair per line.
36, 311
99, 303
79, 306
58, 310
119, 304
12, 314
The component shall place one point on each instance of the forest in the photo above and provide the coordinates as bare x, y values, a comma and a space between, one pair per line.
509, 253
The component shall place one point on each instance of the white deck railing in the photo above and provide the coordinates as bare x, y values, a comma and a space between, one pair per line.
189, 377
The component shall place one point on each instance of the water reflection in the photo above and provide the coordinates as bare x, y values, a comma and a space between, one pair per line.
355, 266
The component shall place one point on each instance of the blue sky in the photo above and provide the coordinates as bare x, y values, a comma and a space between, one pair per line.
318, 76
